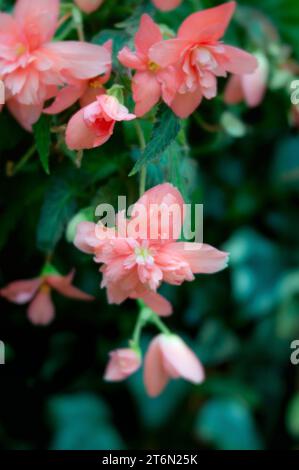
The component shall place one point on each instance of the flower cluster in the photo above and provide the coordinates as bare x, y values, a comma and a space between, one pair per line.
43, 74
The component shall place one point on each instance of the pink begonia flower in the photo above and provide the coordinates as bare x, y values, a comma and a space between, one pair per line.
249, 88
37, 291
89, 6
135, 264
32, 68
122, 364
201, 57
166, 5
168, 357
94, 124
84, 90
150, 81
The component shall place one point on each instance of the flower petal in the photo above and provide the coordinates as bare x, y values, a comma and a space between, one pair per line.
158, 304
195, 26
237, 61
79, 59
148, 34
179, 360
65, 98
26, 115
21, 292
201, 258
146, 92
41, 310
63, 285
168, 52
79, 136
184, 104
38, 20
130, 59
163, 207
155, 377
234, 92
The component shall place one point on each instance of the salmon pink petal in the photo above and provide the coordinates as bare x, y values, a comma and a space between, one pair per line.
38, 20
234, 92
255, 84
122, 364
41, 310
90, 95
113, 109
65, 98
26, 115
169, 52
86, 239
89, 6
148, 34
131, 60
166, 5
21, 292
158, 304
63, 285
79, 59
79, 136
179, 360
237, 61
201, 258
195, 25
163, 206
155, 376
146, 92
184, 104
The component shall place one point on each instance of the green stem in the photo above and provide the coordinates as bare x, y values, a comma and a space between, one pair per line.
159, 324
24, 160
142, 143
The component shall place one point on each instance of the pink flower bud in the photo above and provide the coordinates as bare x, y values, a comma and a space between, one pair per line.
166, 5
168, 357
88, 6
122, 364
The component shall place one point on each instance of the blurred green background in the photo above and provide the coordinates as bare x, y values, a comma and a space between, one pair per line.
240, 322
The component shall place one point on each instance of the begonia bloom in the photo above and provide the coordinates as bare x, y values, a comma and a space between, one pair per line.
150, 82
135, 263
94, 124
168, 357
250, 88
37, 292
201, 57
32, 67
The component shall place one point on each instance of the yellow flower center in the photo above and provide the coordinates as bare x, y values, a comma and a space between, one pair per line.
45, 289
153, 67
143, 255
95, 83
20, 49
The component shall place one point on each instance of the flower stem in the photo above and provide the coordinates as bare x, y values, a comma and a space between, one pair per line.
142, 143
23, 161
146, 316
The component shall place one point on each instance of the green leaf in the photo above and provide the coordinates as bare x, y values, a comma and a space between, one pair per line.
82, 422
228, 425
57, 210
42, 134
164, 133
